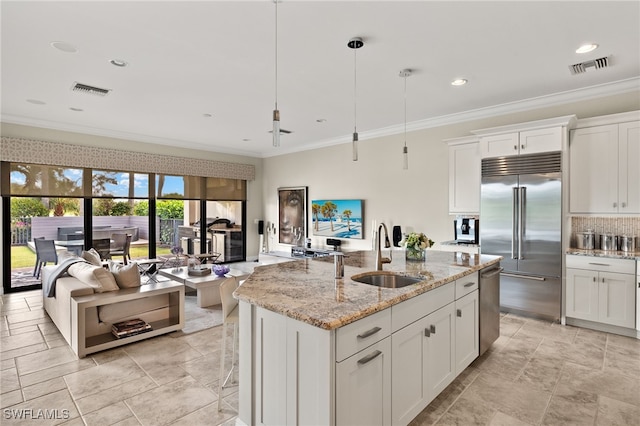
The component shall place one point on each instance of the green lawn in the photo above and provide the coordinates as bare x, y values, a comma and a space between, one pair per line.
23, 257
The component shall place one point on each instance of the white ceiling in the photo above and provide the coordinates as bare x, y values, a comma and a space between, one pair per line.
187, 59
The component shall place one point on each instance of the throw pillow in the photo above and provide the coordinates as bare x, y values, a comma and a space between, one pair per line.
94, 276
92, 256
126, 275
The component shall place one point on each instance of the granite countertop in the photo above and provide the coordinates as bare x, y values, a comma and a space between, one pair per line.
306, 290
605, 253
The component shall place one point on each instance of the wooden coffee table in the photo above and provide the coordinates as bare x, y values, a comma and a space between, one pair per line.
207, 287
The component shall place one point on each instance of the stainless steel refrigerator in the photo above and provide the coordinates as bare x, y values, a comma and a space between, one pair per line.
521, 216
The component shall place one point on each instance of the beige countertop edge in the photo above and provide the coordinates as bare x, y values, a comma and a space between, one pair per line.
604, 253
333, 313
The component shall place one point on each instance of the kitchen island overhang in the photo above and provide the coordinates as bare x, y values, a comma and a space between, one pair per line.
291, 315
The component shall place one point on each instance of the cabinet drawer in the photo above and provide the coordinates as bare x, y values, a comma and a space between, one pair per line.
603, 264
466, 285
358, 335
411, 310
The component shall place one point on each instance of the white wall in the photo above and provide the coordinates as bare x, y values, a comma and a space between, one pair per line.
416, 199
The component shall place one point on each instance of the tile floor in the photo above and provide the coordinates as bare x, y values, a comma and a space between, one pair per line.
537, 373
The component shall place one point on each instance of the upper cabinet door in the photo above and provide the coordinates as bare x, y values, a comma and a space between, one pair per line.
541, 140
499, 145
629, 161
464, 178
593, 170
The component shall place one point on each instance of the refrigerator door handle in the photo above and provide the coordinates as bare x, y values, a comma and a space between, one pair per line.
522, 209
514, 223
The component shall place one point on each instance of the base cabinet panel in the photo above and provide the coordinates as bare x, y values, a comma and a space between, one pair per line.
582, 294
467, 331
440, 350
602, 296
363, 387
409, 378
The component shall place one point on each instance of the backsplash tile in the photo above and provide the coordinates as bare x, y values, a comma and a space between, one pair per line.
627, 225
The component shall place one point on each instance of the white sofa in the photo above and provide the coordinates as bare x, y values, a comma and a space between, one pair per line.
84, 317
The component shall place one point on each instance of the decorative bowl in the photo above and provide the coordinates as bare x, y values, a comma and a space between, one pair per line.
220, 270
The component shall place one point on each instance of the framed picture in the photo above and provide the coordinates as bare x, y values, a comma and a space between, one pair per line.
292, 215
337, 218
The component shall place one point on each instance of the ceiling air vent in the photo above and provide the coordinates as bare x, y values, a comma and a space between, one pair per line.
91, 90
581, 67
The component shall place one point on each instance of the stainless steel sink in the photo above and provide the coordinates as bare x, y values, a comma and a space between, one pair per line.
385, 279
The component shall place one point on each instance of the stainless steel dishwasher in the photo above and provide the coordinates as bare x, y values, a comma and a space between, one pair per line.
489, 293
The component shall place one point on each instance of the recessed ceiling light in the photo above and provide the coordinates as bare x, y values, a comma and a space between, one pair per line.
36, 102
321, 120
207, 115
459, 82
76, 109
118, 63
586, 48
246, 140
64, 47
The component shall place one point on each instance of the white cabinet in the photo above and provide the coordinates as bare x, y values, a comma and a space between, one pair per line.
293, 374
523, 142
601, 290
363, 371
363, 387
464, 175
603, 169
422, 363
467, 331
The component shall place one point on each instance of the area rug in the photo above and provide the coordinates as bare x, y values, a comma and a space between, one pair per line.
198, 319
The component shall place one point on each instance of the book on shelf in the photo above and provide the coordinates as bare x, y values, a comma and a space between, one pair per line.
130, 327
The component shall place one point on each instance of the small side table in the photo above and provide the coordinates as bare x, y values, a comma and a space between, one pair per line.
146, 267
205, 257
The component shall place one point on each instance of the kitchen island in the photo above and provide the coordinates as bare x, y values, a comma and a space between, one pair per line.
320, 350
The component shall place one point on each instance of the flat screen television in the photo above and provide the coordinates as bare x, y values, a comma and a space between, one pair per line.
337, 218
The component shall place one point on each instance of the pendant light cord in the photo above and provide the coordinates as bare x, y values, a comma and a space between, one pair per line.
405, 110
355, 92
276, 53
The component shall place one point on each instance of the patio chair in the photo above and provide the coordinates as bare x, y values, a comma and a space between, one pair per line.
45, 252
103, 247
124, 252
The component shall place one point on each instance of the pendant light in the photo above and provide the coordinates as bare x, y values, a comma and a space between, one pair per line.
355, 44
405, 151
276, 113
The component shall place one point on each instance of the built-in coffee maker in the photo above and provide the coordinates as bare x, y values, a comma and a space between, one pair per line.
467, 230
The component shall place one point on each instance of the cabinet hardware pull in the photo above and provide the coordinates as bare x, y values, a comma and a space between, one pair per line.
368, 333
602, 279
459, 313
427, 333
433, 329
515, 147
469, 284
615, 204
599, 264
594, 279
369, 357
522, 146
624, 204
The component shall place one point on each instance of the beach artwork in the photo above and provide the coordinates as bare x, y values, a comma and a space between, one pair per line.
337, 218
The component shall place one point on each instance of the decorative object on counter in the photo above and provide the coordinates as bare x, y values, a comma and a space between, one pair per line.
626, 243
608, 241
220, 270
397, 236
416, 244
586, 240
337, 218
292, 215
199, 270
177, 251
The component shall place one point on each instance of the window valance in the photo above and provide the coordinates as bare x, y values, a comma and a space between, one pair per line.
69, 155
